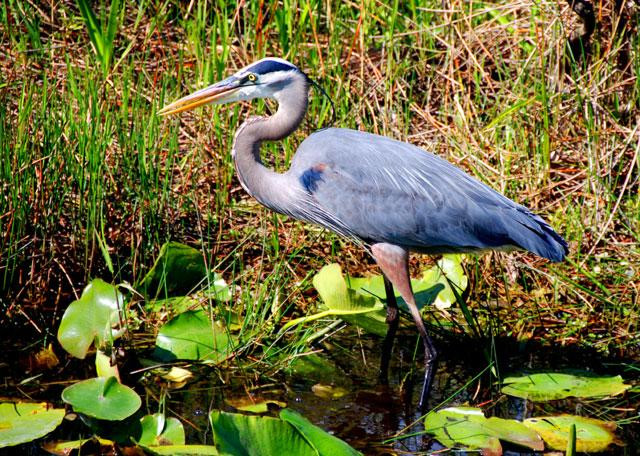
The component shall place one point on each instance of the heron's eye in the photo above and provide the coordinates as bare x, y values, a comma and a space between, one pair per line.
252, 77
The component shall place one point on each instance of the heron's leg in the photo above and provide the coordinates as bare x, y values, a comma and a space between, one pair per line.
392, 322
394, 262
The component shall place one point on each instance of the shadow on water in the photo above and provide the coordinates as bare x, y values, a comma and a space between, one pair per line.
367, 414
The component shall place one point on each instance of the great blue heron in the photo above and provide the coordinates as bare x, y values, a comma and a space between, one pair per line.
390, 196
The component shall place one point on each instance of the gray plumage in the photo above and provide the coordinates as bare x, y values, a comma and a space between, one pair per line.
381, 190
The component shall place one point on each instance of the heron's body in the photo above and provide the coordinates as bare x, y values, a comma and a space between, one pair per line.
377, 189
389, 195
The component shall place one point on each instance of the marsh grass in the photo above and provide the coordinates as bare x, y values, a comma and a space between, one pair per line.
93, 181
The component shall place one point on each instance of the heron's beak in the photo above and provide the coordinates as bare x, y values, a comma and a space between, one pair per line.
220, 92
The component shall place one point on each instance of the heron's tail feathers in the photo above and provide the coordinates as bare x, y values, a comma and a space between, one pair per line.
534, 234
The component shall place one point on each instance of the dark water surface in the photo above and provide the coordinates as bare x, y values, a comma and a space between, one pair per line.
368, 414
364, 413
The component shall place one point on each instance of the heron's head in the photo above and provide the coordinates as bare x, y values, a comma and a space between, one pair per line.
266, 78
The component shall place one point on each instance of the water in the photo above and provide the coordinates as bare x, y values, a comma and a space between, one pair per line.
368, 414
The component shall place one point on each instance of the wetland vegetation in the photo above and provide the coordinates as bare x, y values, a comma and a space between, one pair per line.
135, 269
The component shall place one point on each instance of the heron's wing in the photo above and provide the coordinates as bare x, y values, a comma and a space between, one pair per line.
382, 190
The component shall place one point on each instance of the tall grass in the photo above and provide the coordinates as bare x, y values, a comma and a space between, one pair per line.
93, 182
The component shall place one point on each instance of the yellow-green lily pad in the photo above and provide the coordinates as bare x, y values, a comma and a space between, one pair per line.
359, 300
323, 442
235, 434
22, 422
447, 271
468, 427
90, 318
591, 435
329, 391
551, 385
339, 300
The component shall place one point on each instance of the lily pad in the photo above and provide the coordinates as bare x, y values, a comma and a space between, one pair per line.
425, 292
241, 435
90, 318
360, 300
159, 431
329, 391
550, 386
22, 422
183, 450
178, 270
102, 398
341, 301
467, 426
324, 443
591, 435
191, 335
176, 375
447, 271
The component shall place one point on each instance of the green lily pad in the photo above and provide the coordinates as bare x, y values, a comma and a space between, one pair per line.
160, 431
339, 300
550, 386
22, 422
448, 270
467, 426
178, 270
191, 335
102, 398
90, 318
182, 450
591, 435
324, 443
241, 435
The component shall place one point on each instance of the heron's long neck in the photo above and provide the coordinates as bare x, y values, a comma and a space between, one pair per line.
262, 183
